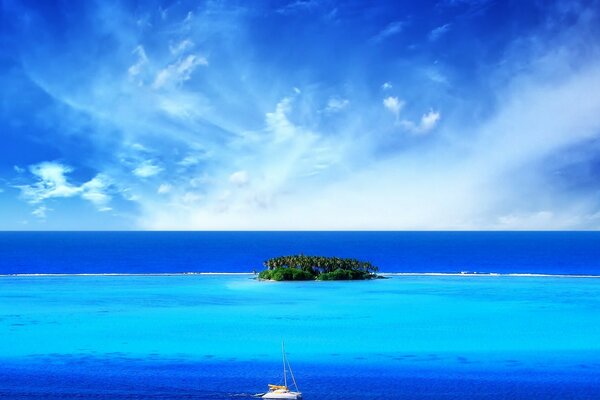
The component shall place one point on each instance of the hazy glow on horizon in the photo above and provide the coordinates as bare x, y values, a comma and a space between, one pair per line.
453, 114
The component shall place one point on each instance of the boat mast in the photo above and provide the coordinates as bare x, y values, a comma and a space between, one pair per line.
292, 374
284, 362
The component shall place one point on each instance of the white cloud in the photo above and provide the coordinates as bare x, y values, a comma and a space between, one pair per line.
191, 198
435, 75
394, 105
299, 6
40, 212
179, 71
135, 69
188, 18
428, 121
18, 169
198, 181
95, 191
192, 159
147, 169
386, 86
239, 178
305, 168
181, 47
336, 104
140, 147
438, 32
52, 182
482, 177
278, 122
391, 29
164, 188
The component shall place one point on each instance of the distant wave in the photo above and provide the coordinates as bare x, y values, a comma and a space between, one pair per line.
387, 274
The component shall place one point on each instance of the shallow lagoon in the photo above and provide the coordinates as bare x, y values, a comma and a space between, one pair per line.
218, 336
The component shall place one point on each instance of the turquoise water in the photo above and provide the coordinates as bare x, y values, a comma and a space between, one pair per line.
217, 336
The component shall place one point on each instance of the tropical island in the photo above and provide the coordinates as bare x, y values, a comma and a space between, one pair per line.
307, 268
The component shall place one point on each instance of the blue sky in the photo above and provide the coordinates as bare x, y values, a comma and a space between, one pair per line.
291, 114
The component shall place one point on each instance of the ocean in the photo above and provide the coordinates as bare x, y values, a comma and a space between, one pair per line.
153, 332
176, 252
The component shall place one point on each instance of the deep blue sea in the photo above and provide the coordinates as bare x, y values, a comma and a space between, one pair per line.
173, 252
185, 336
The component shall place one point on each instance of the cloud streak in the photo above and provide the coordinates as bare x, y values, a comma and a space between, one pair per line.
269, 138
391, 29
438, 32
178, 72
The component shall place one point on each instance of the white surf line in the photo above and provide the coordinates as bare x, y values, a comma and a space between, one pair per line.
488, 274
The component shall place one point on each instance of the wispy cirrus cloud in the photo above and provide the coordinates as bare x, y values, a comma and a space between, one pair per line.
391, 29
440, 31
269, 138
181, 47
299, 6
336, 104
178, 72
135, 69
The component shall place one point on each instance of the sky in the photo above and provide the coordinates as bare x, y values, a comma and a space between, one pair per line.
299, 115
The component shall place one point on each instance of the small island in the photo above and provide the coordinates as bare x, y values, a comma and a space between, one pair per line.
307, 268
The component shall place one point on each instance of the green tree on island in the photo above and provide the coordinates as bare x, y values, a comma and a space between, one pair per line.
304, 268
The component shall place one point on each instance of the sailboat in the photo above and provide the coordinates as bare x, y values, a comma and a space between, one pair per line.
283, 391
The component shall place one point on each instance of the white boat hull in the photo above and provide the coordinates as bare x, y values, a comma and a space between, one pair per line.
283, 395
